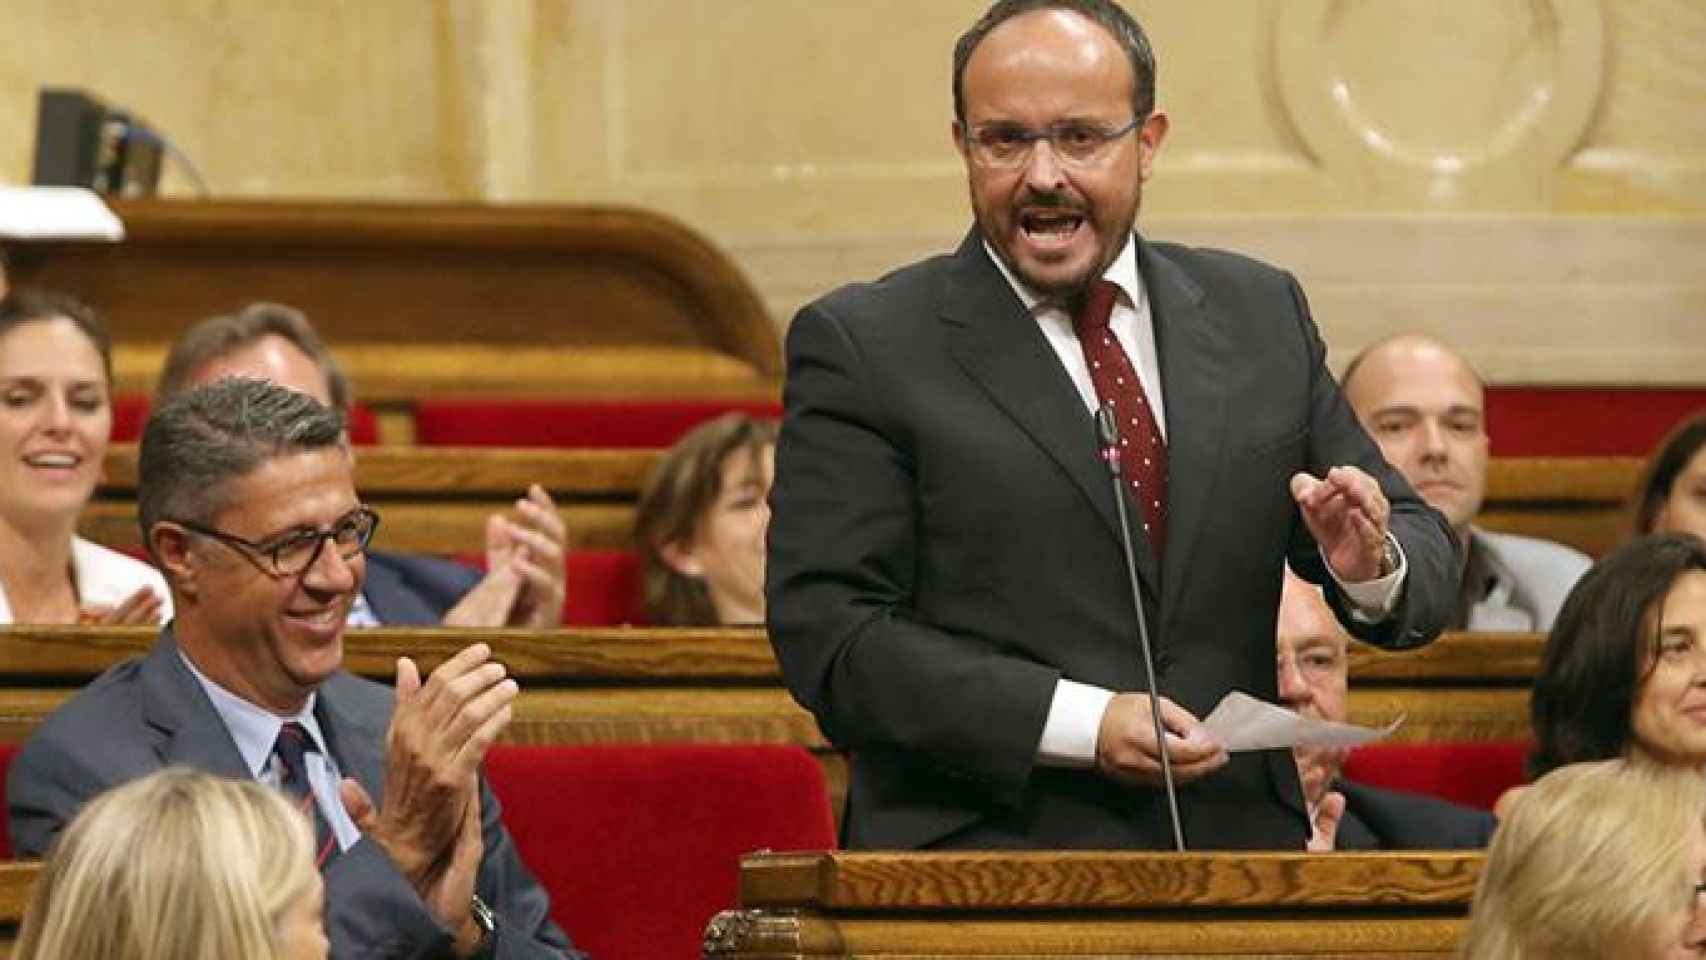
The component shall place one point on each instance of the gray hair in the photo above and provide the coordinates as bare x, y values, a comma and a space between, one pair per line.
218, 337
1110, 16
198, 441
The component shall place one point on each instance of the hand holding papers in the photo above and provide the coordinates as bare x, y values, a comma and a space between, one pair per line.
1243, 722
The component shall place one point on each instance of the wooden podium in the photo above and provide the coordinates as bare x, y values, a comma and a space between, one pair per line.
924, 906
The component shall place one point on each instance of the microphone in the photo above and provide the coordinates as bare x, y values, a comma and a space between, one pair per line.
1108, 438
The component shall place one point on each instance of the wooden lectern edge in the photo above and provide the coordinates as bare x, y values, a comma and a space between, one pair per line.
17, 881
1106, 881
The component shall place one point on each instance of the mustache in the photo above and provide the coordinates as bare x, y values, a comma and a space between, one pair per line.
1052, 200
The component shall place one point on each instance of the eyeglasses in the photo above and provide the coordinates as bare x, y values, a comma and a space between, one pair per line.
293, 553
1006, 146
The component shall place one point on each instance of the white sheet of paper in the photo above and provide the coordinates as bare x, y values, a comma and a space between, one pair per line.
1245, 723
57, 213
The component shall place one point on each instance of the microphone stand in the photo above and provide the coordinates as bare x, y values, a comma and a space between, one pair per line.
1108, 437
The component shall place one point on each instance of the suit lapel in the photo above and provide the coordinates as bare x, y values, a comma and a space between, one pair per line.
1002, 349
1194, 354
176, 708
357, 747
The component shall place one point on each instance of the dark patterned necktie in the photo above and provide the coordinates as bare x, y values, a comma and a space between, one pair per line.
1143, 454
291, 748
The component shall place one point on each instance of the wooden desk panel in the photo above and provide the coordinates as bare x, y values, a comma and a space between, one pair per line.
928, 905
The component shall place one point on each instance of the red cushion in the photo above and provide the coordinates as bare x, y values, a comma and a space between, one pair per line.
130, 414
479, 422
1473, 774
602, 587
640, 845
1583, 421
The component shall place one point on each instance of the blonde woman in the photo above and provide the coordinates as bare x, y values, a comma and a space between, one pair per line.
180, 865
1597, 861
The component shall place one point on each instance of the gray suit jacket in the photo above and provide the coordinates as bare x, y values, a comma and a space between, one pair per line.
149, 713
1517, 584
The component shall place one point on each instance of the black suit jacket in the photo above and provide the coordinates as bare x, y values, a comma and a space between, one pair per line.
414, 591
944, 546
150, 713
1378, 819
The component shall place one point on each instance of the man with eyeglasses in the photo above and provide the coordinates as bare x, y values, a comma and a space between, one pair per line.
247, 503
1312, 656
947, 589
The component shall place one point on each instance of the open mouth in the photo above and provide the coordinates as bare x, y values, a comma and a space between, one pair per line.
328, 618
54, 461
1048, 228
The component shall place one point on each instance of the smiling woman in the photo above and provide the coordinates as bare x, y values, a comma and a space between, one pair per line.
55, 417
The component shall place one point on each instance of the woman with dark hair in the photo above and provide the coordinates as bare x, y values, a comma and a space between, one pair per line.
1672, 493
701, 522
1624, 669
55, 421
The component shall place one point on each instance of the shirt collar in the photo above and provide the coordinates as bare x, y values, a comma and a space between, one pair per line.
1122, 273
255, 730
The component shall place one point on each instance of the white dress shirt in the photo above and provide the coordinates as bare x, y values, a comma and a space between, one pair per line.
1075, 714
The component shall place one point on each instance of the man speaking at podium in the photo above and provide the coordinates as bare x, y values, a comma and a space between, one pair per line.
947, 588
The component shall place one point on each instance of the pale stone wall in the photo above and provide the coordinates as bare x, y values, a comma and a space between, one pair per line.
1527, 177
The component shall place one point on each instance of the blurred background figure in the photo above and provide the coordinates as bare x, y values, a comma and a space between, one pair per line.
55, 420
180, 865
1427, 409
1624, 669
1597, 861
700, 525
1671, 497
1313, 652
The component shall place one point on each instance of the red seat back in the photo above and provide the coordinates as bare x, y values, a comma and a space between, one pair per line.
602, 587
130, 414
639, 845
1473, 774
483, 422
1585, 422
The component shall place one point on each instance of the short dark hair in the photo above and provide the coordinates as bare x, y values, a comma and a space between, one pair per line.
198, 441
30, 305
1667, 463
221, 336
1600, 649
1110, 16
678, 493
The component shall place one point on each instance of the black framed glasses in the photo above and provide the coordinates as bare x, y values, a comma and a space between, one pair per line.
290, 554
1006, 146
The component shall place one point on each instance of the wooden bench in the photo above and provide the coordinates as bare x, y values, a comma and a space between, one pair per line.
432, 299
435, 500
935, 906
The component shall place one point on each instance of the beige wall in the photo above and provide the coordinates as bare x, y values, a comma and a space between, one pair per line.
1527, 177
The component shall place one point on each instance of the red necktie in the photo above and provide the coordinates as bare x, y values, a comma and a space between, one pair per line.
1143, 454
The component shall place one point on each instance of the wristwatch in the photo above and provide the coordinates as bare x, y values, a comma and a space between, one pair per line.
1389, 557
487, 921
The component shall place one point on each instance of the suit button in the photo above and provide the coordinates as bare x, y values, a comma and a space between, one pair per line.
1163, 662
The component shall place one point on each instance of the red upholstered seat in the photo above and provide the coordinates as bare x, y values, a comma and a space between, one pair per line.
484, 422
640, 845
602, 587
130, 413
1473, 774
1584, 421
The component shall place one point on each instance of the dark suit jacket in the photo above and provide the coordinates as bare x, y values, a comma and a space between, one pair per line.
405, 590
149, 713
1377, 819
944, 546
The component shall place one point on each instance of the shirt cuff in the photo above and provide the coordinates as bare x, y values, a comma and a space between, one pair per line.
1373, 600
1074, 723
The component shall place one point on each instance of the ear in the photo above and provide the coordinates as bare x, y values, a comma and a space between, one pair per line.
682, 558
1149, 139
170, 545
959, 134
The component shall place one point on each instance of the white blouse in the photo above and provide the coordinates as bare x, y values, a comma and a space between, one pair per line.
104, 578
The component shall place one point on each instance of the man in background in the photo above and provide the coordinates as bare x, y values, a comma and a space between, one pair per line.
1314, 678
524, 582
1426, 407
